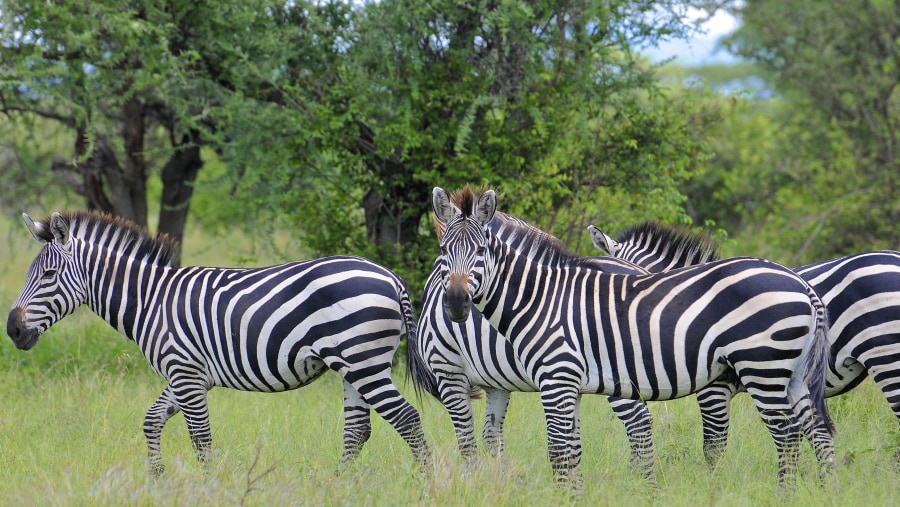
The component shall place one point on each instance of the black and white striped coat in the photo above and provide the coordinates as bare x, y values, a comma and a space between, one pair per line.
448, 359
861, 293
263, 329
577, 329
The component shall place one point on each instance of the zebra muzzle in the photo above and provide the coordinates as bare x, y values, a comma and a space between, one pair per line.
22, 337
457, 303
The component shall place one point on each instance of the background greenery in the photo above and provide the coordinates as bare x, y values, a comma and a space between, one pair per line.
261, 131
71, 411
330, 121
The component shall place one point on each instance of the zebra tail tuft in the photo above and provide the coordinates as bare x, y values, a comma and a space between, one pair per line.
817, 361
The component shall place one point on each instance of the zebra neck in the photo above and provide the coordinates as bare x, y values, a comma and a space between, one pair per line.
517, 290
121, 289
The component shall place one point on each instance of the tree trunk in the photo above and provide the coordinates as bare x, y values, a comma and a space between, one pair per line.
393, 220
178, 176
106, 187
128, 186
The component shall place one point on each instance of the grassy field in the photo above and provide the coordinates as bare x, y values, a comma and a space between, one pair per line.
71, 411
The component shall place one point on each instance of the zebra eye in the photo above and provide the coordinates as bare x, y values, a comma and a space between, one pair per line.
480, 250
48, 274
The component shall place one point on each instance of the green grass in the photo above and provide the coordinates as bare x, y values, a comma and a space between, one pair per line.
71, 411
73, 437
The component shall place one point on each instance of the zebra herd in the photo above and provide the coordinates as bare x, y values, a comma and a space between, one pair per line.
507, 308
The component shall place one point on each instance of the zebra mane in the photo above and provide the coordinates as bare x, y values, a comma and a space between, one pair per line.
527, 238
675, 242
466, 197
116, 233
521, 235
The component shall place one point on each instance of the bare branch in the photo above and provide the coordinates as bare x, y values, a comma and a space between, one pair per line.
251, 481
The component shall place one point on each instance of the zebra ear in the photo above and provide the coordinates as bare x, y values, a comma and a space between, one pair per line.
444, 210
603, 242
60, 229
34, 228
486, 207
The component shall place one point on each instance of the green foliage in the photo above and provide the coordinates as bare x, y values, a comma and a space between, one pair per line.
334, 120
836, 64
330, 122
73, 437
546, 102
27, 147
775, 181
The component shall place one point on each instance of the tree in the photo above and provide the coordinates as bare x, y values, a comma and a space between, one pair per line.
774, 173
338, 117
549, 101
139, 86
840, 62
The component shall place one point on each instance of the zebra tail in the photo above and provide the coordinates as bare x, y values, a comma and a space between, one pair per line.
416, 368
422, 377
817, 359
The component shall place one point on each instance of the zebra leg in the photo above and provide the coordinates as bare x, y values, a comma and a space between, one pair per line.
781, 423
357, 423
880, 365
715, 412
454, 391
639, 428
576, 481
560, 405
161, 411
495, 415
378, 390
814, 429
786, 434
190, 395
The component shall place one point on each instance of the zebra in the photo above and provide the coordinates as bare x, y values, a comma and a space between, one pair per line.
266, 329
861, 293
455, 361
576, 329
656, 247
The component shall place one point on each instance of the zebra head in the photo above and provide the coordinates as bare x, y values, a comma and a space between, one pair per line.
53, 287
463, 246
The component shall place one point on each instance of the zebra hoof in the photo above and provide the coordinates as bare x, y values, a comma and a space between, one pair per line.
157, 469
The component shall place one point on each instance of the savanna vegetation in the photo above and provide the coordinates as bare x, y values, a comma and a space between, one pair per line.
260, 131
333, 120
72, 408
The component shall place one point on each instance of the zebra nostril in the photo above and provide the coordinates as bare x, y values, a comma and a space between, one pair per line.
457, 303
13, 323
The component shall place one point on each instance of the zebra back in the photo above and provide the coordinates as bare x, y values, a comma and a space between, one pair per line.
658, 248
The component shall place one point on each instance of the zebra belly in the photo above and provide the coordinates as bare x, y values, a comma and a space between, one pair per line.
304, 372
506, 379
624, 385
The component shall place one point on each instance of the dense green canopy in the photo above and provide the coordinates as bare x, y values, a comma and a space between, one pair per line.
335, 119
